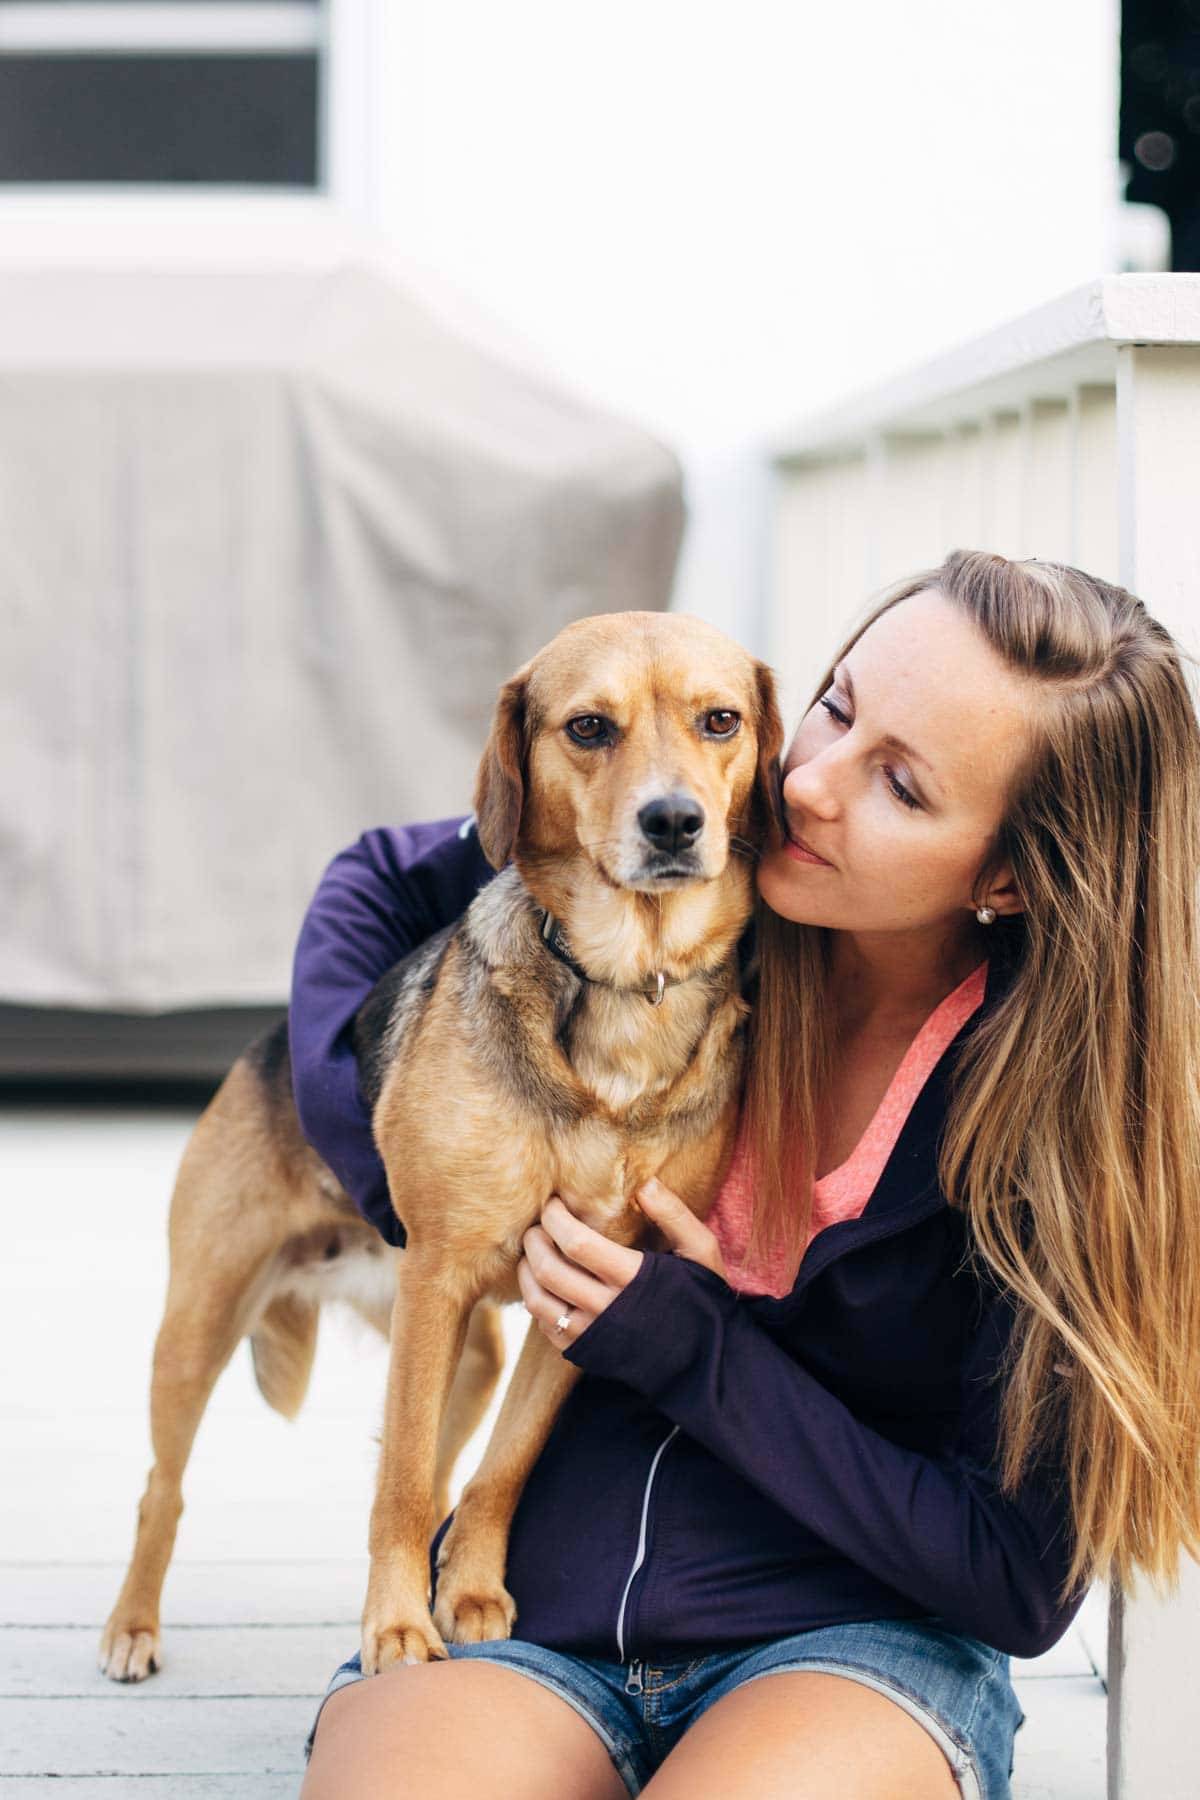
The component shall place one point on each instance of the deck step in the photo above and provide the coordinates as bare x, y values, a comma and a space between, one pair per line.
1060, 1749
199, 1662
196, 1593
230, 1734
241, 1786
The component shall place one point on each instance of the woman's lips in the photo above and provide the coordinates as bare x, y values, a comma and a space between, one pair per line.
800, 852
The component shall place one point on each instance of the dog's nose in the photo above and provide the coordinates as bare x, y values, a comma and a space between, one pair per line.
672, 823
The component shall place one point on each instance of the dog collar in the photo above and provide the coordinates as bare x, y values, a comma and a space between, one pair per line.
555, 941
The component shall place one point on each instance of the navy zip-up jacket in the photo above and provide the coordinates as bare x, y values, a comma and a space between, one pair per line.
731, 1467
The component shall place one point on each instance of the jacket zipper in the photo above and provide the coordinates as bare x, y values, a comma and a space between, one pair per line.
640, 1554
915, 1215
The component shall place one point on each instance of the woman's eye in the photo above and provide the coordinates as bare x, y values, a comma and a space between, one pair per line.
902, 794
720, 723
588, 728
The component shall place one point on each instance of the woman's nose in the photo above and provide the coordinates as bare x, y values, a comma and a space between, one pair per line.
806, 787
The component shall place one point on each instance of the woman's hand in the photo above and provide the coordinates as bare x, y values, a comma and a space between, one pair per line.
571, 1272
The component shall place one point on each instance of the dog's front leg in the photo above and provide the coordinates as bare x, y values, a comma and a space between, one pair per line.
473, 1603
429, 1326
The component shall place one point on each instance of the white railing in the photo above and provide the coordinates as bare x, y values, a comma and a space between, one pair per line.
1072, 434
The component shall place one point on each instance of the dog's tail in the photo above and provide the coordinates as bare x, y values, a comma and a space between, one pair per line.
283, 1344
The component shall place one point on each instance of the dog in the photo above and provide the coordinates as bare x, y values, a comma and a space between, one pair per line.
577, 1031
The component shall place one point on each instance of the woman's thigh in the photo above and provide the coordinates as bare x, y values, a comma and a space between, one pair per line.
460, 1730
806, 1737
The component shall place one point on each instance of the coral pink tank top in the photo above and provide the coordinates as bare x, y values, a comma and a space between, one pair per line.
842, 1193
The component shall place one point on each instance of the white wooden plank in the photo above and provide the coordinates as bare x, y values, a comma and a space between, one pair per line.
909, 504
963, 502
1048, 480
226, 1736
1004, 492
1060, 1749
198, 1661
244, 1786
218, 1593
1094, 544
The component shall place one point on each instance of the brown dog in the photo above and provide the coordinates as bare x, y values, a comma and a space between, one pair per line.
578, 1031
261, 1236
627, 761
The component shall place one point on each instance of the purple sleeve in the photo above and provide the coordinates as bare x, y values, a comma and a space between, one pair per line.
935, 1528
375, 903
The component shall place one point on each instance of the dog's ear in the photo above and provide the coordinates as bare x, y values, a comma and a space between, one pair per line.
500, 783
767, 803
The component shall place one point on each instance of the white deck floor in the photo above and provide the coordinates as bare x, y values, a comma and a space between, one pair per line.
263, 1597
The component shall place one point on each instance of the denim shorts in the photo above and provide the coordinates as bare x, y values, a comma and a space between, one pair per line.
956, 1687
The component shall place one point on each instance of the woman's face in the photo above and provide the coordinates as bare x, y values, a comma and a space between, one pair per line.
904, 826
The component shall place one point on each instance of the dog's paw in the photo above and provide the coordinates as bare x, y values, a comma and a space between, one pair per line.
396, 1626
129, 1652
384, 1647
473, 1604
475, 1618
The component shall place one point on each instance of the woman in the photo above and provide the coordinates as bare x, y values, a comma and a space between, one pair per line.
930, 1366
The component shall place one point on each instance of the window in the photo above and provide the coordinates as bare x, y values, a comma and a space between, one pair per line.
161, 91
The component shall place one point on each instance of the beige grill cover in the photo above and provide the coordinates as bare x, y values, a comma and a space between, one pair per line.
271, 534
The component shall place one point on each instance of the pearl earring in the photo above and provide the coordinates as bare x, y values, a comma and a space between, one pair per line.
986, 915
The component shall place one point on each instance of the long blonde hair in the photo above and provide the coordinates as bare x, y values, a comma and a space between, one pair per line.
1072, 1140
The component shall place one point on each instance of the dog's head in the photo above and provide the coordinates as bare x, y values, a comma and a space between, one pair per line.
647, 742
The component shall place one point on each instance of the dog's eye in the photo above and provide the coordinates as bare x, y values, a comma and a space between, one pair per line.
721, 724
588, 728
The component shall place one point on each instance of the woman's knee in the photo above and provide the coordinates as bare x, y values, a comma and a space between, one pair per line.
465, 1729
813, 1736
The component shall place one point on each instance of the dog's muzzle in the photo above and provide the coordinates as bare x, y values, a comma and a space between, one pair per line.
670, 829
672, 823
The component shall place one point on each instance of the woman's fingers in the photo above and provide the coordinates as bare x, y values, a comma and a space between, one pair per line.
568, 1269
615, 1264
545, 1309
686, 1234
560, 1277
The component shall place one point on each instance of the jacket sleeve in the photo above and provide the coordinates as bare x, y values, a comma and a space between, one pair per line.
375, 903
935, 1528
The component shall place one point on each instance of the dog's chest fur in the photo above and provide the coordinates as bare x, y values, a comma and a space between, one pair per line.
583, 1052
503, 1078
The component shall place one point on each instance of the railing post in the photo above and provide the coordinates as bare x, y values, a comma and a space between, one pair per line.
1153, 1715
1158, 461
